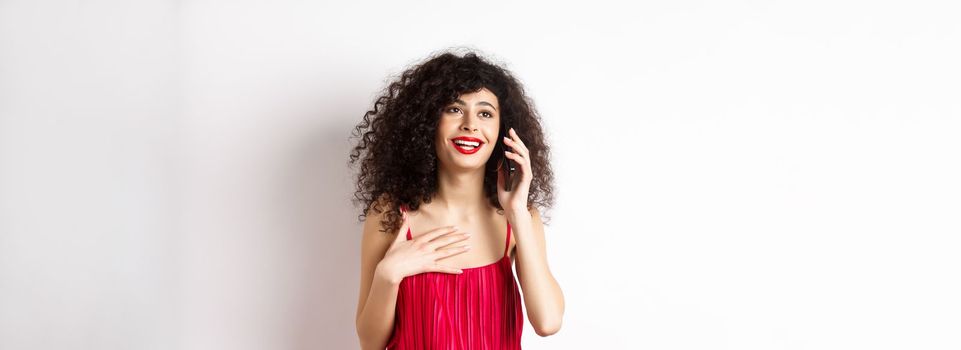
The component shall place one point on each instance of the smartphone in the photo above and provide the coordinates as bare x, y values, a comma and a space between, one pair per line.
507, 165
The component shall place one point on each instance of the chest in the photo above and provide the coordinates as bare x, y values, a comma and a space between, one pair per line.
489, 239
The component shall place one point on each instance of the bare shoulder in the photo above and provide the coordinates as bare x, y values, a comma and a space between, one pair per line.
373, 228
379, 207
373, 246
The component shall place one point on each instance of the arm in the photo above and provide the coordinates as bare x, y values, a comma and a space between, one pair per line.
378, 294
542, 295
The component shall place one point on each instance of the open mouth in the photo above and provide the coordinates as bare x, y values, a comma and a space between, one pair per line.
467, 145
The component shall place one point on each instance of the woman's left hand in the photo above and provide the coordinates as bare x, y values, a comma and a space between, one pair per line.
516, 199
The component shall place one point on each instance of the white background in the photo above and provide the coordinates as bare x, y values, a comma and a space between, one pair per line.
730, 175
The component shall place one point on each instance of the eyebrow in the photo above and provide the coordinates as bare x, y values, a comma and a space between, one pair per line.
462, 103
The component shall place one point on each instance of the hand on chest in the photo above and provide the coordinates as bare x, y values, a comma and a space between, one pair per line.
489, 238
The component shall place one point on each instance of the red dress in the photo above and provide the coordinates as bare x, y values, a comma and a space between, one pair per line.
477, 309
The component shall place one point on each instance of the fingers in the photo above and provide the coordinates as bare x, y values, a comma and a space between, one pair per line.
520, 153
430, 235
446, 240
516, 138
517, 148
449, 252
444, 269
525, 168
523, 162
516, 143
516, 157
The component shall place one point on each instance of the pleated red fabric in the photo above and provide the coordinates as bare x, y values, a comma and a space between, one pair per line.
477, 309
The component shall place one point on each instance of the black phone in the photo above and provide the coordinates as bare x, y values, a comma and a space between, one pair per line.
507, 165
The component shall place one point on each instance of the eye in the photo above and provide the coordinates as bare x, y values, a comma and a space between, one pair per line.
453, 109
488, 114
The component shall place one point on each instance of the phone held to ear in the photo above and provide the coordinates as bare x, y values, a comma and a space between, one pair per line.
507, 165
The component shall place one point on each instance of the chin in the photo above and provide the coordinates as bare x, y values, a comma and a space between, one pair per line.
474, 164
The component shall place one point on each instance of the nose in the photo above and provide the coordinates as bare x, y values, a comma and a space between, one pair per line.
468, 124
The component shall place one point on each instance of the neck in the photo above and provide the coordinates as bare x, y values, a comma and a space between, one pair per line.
460, 193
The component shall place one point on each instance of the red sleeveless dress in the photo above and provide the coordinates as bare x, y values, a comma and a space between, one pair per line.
477, 309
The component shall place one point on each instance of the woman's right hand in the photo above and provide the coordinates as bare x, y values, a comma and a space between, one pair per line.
420, 254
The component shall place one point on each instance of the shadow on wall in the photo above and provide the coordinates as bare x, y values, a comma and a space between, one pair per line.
323, 238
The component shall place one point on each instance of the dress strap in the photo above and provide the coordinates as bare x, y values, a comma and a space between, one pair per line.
508, 243
403, 209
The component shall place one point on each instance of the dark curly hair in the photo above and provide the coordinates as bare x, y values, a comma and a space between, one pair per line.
396, 146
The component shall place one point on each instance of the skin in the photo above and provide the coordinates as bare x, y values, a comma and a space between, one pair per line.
479, 235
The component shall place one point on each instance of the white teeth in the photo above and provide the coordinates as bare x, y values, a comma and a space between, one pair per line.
467, 143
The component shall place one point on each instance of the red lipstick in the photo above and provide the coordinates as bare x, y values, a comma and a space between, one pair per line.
466, 149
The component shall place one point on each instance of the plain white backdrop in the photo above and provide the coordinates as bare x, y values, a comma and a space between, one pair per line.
730, 175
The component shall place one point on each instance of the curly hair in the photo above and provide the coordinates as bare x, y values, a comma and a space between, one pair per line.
396, 137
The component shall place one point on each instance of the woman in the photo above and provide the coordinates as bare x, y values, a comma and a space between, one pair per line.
437, 211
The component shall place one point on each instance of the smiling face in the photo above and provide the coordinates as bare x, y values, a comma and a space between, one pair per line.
468, 130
